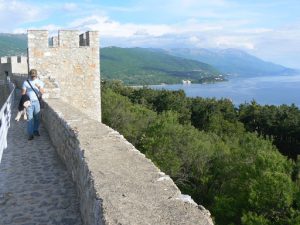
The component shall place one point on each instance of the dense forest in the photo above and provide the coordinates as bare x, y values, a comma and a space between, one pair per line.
226, 158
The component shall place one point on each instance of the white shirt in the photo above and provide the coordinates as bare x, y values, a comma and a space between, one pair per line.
29, 90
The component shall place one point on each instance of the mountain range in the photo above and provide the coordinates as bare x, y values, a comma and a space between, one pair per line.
153, 66
13, 44
145, 66
233, 62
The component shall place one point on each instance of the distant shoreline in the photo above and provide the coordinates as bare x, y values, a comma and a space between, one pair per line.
165, 84
264, 90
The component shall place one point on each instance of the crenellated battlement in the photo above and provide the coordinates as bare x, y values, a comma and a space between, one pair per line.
53, 41
69, 66
13, 59
65, 39
3, 59
10, 65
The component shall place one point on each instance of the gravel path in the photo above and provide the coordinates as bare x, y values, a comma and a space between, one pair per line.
35, 188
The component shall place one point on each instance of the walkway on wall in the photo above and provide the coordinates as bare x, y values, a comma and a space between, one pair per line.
35, 187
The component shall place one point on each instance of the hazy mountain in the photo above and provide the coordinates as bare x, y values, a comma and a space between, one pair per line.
148, 66
13, 44
233, 61
131, 65
153, 66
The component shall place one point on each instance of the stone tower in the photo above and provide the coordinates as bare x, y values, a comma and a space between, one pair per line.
69, 65
13, 65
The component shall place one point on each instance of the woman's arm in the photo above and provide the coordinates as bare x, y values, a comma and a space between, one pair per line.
40, 87
23, 91
42, 90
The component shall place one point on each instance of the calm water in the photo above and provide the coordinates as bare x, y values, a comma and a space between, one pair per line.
265, 90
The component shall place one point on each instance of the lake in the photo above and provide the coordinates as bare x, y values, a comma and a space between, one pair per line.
271, 90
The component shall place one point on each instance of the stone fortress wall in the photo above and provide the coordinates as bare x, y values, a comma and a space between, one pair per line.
69, 67
10, 65
14, 68
116, 184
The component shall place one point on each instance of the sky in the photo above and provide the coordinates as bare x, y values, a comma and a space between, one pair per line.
268, 29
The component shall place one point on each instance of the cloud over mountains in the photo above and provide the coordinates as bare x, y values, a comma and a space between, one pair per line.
267, 29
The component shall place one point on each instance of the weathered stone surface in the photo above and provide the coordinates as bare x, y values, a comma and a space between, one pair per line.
34, 184
70, 71
18, 79
4, 92
115, 182
13, 64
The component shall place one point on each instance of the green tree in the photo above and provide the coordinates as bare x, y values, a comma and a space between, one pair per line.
181, 151
130, 120
218, 116
254, 219
239, 176
253, 171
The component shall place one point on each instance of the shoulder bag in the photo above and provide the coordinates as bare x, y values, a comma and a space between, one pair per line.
38, 96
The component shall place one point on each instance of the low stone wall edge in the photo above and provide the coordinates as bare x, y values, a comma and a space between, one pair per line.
64, 139
80, 157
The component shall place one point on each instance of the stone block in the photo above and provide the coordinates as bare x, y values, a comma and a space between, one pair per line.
68, 38
37, 39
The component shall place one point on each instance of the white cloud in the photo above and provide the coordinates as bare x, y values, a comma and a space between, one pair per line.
70, 6
194, 40
14, 13
189, 33
280, 45
197, 24
254, 31
271, 44
52, 29
125, 9
233, 42
193, 3
21, 10
110, 28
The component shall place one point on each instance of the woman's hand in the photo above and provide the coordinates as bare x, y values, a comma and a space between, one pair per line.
42, 90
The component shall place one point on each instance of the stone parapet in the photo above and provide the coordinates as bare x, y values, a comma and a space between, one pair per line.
13, 65
116, 183
18, 79
6, 103
3, 59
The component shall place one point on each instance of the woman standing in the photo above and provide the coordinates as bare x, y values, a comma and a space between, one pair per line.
33, 87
